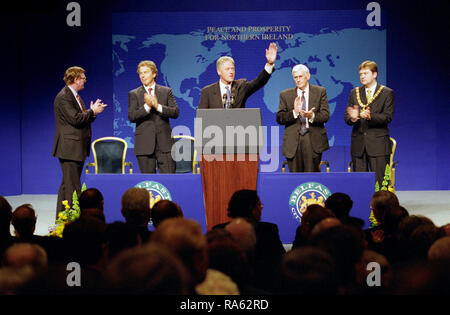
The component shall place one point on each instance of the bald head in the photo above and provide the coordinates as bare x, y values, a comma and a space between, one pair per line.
243, 233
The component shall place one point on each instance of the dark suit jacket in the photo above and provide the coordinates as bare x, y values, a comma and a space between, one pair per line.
373, 134
154, 126
73, 127
318, 132
241, 89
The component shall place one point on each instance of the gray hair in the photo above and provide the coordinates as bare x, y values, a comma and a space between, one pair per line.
300, 67
222, 60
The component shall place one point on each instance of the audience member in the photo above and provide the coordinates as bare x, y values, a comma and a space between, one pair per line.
268, 248
217, 283
136, 210
340, 204
6, 239
309, 271
313, 215
185, 238
406, 250
345, 245
24, 223
150, 269
227, 256
440, 250
165, 209
85, 243
120, 236
92, 203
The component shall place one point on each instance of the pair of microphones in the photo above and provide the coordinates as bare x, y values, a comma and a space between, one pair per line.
224, 99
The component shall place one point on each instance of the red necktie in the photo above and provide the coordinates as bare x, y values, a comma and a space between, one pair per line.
79, 102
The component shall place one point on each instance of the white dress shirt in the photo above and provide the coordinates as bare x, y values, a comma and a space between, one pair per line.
75, 94
299, 93
147, 108
372, 89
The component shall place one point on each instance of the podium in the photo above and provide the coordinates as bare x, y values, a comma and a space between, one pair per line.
228, 142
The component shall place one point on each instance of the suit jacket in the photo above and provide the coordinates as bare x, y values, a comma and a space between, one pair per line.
73, 127
153, 127
373, 134
241, 89
318, 132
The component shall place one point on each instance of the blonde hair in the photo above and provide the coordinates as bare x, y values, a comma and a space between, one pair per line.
368, 64
150, 64
72, 73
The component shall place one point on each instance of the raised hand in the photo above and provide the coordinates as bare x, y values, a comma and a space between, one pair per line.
353, 112
98, 106
271, 53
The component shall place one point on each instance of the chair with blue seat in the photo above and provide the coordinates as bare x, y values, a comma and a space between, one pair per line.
185, 154
109, 156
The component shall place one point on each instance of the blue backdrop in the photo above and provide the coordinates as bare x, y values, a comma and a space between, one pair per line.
40, 47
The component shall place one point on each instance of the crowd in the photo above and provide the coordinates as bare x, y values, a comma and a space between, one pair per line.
331, 254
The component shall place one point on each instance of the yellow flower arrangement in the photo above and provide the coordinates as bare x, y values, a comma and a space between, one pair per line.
67, 215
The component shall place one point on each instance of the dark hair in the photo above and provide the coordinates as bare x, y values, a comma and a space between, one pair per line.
165, 209
24, 220
382, 202
340, 204
5, 214
242, 203
91, 198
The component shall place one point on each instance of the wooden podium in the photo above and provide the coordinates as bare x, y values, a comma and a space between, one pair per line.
229, 159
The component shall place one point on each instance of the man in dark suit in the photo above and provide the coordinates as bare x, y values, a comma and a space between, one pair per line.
303, 110
150, 106
73, 132
268, 248
231, 93
370, 109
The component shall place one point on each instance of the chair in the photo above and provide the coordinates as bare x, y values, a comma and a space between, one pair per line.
109, 156
185, 163
283, 166
392, 166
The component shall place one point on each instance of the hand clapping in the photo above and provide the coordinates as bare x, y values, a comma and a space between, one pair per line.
98, 106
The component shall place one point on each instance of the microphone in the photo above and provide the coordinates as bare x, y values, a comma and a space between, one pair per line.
232, 98
224, 99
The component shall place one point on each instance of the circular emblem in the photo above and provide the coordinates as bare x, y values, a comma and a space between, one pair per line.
306, 194
156, 190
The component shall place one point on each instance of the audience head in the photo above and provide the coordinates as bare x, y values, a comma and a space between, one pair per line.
120, 236
91, 198
313, 215
340, 204
5, 216
382, 202
150, 269
24, 221
243, 233
440, 250
136, 206
245, 203
345, 244
25, 254
85, 241
185, 238
324, 225
392, 219
165, 209
309, 271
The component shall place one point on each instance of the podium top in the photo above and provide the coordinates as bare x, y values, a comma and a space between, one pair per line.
236, 130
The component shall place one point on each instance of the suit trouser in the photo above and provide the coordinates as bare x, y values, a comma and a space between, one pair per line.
71, 171
147, 163
375, 164
305, 159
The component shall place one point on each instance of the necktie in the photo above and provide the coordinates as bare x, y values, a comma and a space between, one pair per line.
303, 129
228, 102
79, 102
369, 96
149, 91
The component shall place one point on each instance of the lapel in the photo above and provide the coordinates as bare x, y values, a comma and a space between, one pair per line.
312, 96
362, 94
292, 95
75, 102
157, 91
217, 96
141, 92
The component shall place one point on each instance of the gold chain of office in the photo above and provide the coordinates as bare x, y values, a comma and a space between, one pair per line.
364, 106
